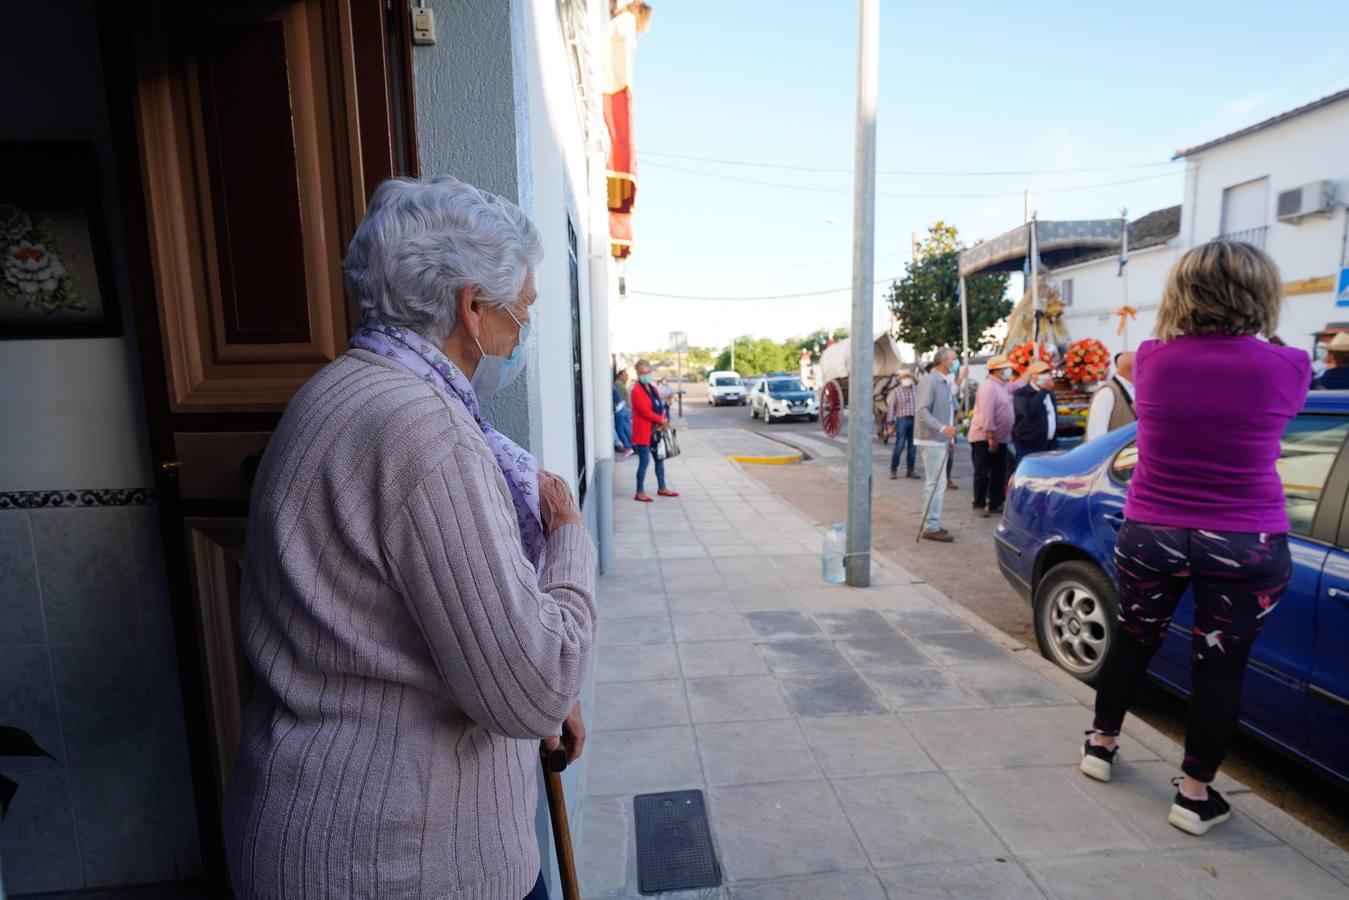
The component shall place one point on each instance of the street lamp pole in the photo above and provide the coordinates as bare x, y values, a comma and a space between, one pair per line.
858, 559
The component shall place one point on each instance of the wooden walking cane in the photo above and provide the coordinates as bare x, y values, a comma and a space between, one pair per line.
941, 473
554, 762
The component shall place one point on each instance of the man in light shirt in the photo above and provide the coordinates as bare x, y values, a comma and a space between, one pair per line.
934, 430
1113, 404
990, 433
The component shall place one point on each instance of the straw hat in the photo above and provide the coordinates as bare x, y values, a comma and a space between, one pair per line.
1037, 368
1340, 344
999, 362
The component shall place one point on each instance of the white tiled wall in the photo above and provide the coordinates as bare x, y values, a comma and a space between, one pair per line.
88, 667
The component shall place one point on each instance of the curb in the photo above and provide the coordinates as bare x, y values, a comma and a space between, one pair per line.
767, 460
799, 451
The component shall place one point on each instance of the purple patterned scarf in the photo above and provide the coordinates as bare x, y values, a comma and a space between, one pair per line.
425, 360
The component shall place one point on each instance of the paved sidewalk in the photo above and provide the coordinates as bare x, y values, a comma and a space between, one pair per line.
871, 743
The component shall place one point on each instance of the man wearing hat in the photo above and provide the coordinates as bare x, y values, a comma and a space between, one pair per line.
1036, 413
1336, 377
990, 433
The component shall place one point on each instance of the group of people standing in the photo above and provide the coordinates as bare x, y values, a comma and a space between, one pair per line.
1013, 415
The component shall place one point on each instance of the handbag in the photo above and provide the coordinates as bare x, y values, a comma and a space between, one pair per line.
667, 444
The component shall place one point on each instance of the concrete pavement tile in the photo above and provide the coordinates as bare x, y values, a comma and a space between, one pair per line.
987, 881
699, 580
850, 885
740, 551
646, 630
735, 699
907, 820
962, 648
755, 599
676, 567
728, 626
711, 658
884, 651
988, 739
666, 551
1125, 877
830, 694
624, 553
1256, 872
1054, 735
919, 688
685, 604
642, 761
1042, 812
737, 574
1140, 793
854, 622
858, 746
803, 655
642, 662
633, 605
1010, 684
771, 624
648, 569
602, 853
754, 752
638, 704
783, 829
917, 622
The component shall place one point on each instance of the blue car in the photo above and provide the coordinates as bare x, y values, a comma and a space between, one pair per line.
1056, 543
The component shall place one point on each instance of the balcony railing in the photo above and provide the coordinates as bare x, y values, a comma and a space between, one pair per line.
1253, 236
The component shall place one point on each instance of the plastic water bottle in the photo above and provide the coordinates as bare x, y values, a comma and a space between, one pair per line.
831, 555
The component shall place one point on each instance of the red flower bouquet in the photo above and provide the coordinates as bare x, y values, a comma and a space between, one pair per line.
1087, 362
1023, 355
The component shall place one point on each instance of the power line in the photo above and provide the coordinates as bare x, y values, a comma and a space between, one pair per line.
991, 173
977, 196
747, 268
763, 297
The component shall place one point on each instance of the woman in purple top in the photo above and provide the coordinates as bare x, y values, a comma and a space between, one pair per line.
1205, 506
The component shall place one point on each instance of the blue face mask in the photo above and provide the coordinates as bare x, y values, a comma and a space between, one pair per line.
495, 372
955, 367
1006, 374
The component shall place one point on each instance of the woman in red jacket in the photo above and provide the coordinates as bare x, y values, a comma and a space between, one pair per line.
649, 416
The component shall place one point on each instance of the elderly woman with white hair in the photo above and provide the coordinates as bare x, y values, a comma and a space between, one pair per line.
418, 598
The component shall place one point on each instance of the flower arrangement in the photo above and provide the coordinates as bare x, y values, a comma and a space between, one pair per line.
1087, 362
31, 269
1023, 355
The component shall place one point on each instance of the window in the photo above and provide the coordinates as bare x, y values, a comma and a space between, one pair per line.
1245, 212
1066, 292
1310, 445
577, 365
785, 386
725, 381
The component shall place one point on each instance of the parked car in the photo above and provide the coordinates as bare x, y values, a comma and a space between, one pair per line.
1055, 545
725, 387
782, 397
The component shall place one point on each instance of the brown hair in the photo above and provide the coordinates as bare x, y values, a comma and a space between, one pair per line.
1222, 287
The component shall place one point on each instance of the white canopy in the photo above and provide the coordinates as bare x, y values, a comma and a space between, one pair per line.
885, 358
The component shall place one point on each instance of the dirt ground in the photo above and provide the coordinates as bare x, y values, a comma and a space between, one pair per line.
967, 572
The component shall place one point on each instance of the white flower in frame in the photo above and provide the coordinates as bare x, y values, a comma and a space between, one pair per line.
31, 269
14, 223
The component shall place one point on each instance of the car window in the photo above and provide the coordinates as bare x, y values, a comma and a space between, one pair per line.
785, 385
726, 381
1310, 445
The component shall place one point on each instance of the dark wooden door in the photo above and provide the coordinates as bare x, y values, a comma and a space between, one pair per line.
250, 135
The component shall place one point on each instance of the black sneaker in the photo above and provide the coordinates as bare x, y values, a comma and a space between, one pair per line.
1096, 761
1198, 816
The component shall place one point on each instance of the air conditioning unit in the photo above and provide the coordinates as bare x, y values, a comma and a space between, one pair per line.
1317, 197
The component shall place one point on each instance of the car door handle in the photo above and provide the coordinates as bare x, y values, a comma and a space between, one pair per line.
1339, 594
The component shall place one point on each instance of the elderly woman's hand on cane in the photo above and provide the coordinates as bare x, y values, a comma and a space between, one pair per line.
558, 508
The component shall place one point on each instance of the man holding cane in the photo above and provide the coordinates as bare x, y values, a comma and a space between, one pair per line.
934, 432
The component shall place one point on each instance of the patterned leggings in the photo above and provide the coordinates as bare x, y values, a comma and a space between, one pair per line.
1238, 579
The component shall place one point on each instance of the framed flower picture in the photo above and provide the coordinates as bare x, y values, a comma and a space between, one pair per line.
55, 275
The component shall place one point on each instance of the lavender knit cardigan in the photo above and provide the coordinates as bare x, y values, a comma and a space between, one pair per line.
408, 656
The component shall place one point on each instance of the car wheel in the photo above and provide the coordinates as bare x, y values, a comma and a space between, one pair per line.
767, 416
753, 411
1075, 613
815, 418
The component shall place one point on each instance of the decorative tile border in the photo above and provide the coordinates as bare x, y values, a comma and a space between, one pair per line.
72, 498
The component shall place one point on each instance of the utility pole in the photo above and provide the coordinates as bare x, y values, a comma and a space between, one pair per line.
858, 559
680, 341
732, 354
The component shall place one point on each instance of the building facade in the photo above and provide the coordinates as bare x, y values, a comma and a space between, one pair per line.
233, 147
1281, 184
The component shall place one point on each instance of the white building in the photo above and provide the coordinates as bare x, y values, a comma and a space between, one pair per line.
1281, 184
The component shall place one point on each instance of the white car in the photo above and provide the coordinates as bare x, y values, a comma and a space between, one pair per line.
782, 397
725, 387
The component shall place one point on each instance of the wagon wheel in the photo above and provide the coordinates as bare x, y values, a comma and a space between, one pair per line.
831, 408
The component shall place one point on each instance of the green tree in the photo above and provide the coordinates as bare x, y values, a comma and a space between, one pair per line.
926, 301
818, 338
755, 356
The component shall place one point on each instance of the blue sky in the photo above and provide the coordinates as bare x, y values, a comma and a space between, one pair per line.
963, 88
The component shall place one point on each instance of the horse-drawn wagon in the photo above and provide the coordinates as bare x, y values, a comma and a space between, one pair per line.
886, 365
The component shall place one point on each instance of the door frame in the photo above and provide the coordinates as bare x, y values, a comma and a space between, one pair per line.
383, 133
